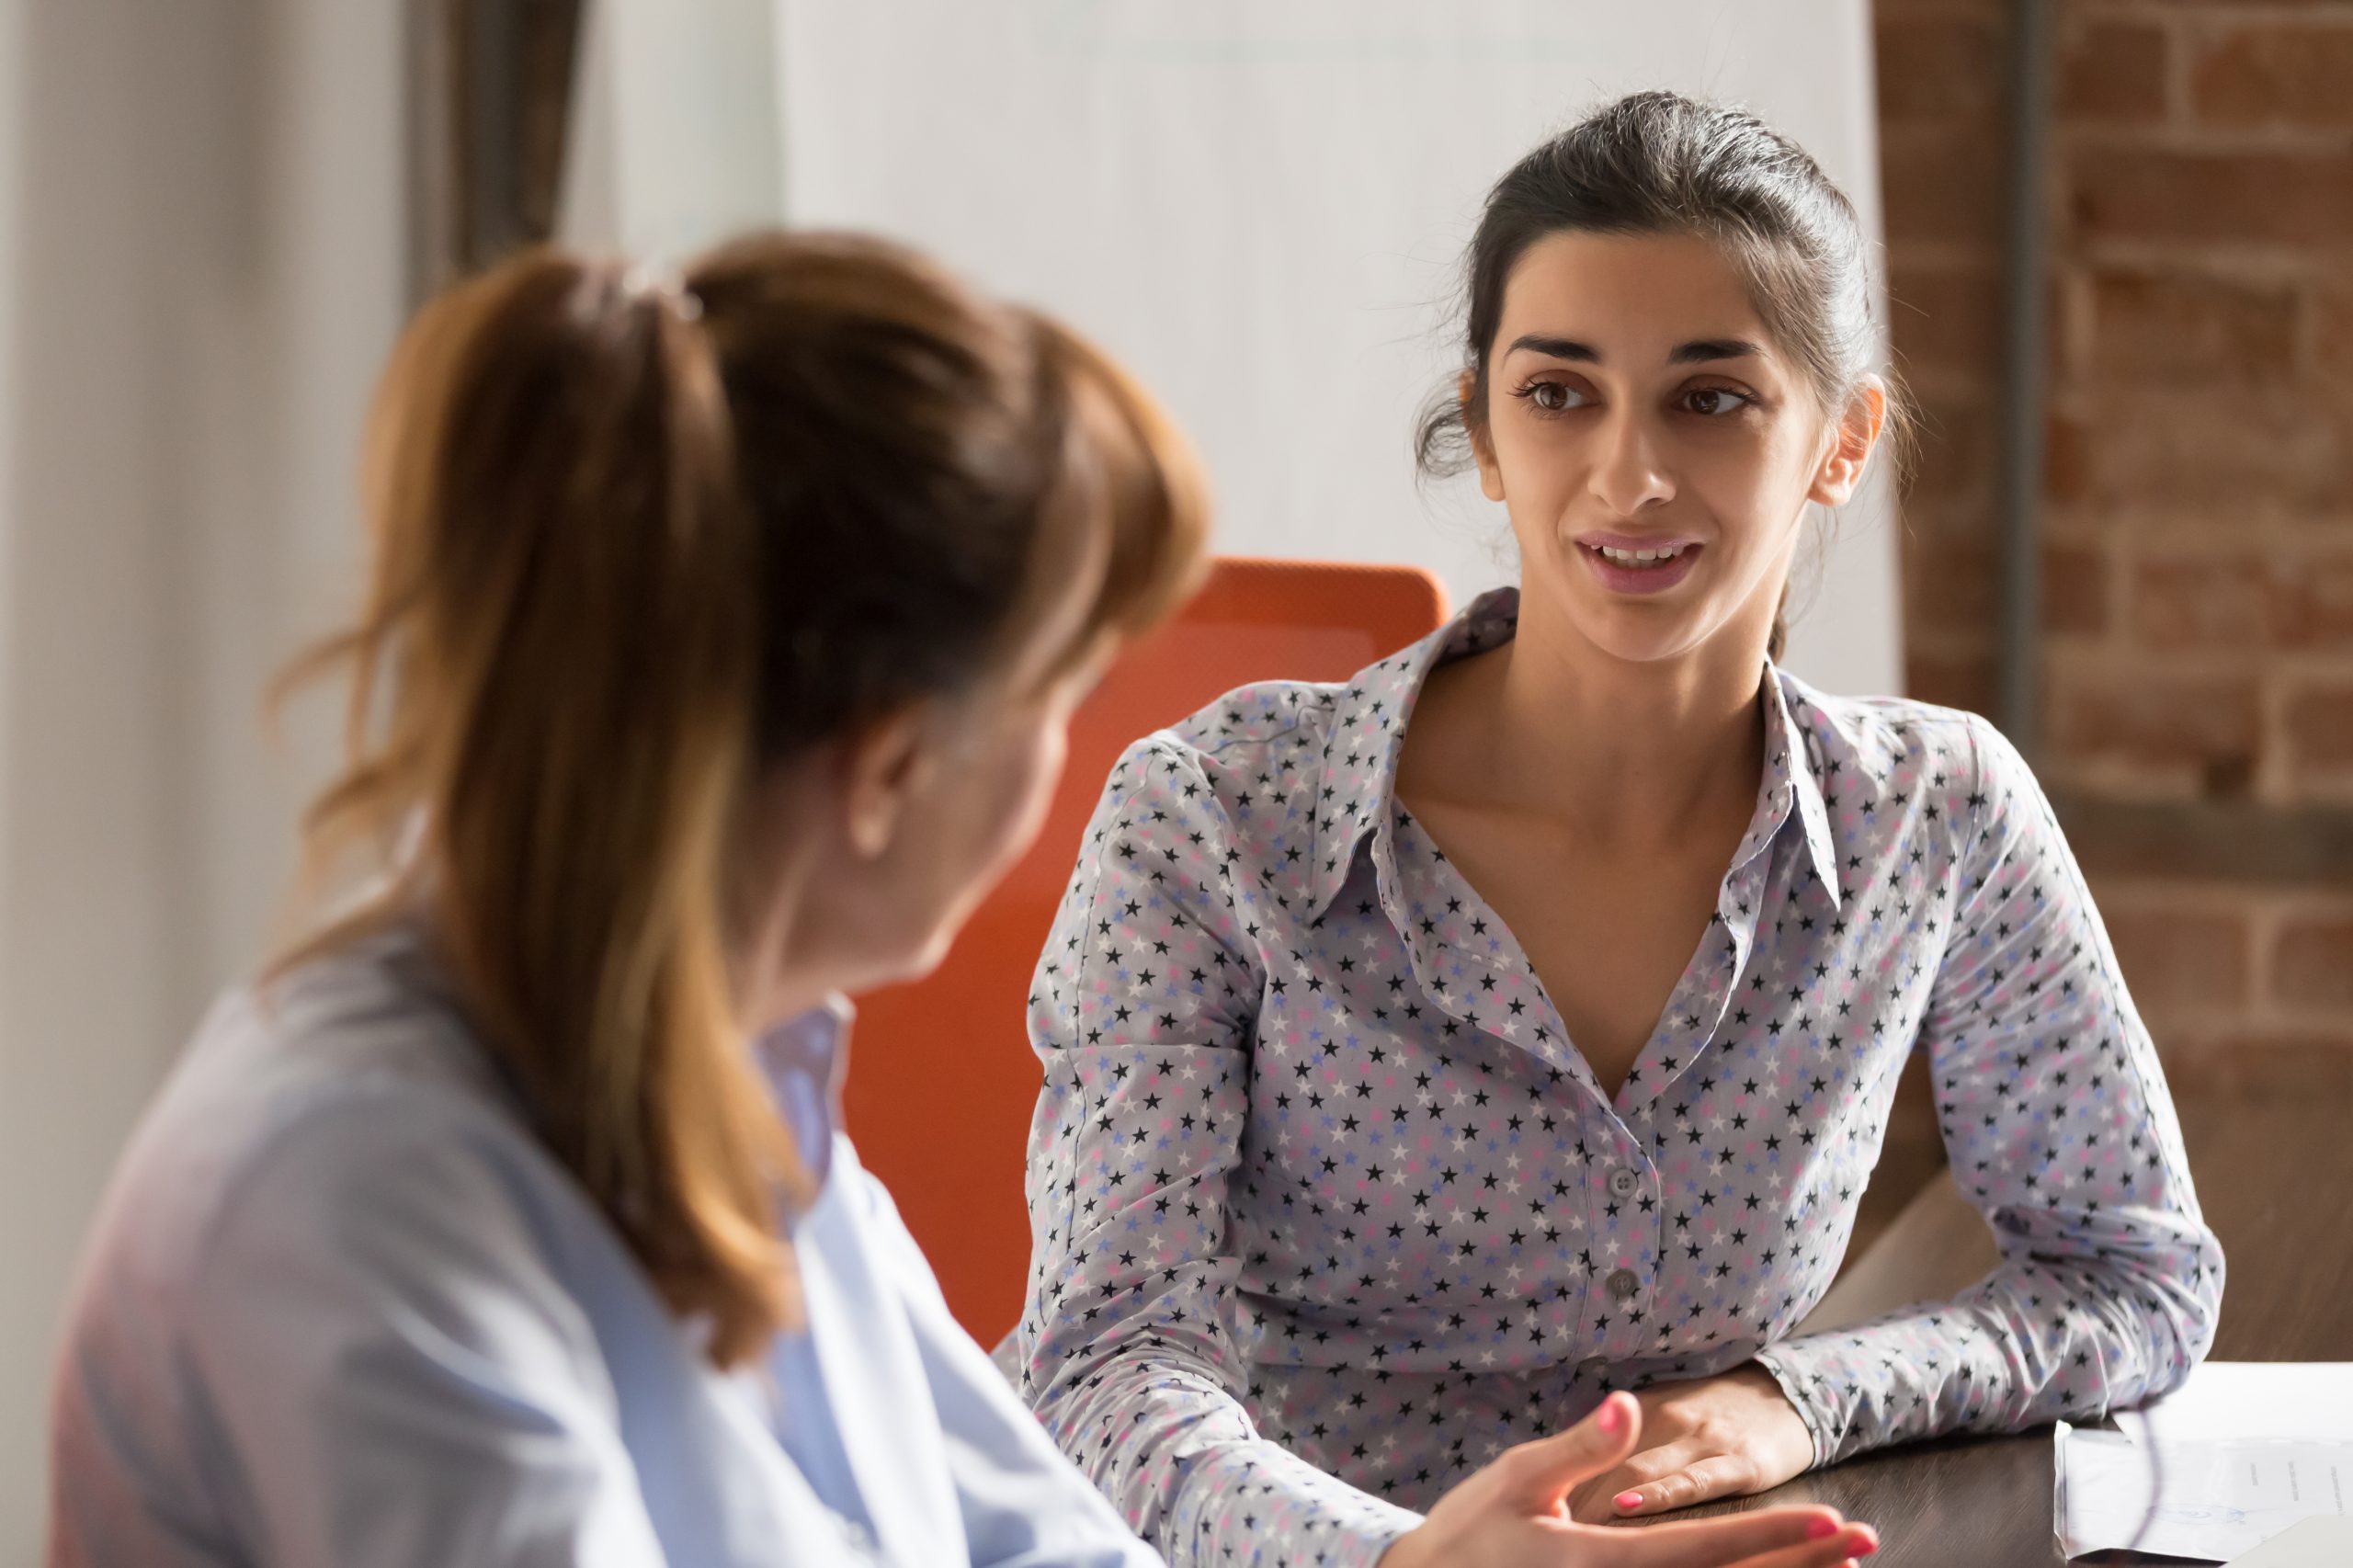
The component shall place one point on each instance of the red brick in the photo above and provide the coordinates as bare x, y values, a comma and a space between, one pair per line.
2312, 963
2333, 334
2275, 76
1956, 680
2255, 1061
2221, 449
2157, 324
1955, 461
2191, 602
2198, 407
2066, 458
1955, 582
1948, 323
2113, 73
2312, 601
2319, 722
2181, 961
2215, 197
2075, 588
2244, 596
1940, 67
2205, 724
1943, 184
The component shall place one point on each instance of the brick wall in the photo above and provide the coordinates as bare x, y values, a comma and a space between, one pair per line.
2196, 662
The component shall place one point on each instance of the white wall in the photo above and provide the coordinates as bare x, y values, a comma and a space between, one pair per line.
1261, 208
200, 267
674, 139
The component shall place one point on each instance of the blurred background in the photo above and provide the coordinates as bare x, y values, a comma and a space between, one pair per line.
2118, 247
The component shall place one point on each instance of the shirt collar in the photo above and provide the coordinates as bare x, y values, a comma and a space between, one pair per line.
804, 1060
1791, 784
1359, 763
1360, 756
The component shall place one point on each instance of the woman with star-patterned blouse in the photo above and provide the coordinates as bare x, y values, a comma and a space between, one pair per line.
1429, 1055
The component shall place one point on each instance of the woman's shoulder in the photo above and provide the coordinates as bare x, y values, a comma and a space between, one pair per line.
331, 1203
1888, 735
345, 1072
1249, 720
1253, 740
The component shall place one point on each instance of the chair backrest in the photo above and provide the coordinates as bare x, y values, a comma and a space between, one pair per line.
944, 1080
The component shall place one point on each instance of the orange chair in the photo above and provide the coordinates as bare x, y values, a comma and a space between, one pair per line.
944, 1081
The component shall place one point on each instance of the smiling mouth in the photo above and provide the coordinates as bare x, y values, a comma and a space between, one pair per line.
1639, 560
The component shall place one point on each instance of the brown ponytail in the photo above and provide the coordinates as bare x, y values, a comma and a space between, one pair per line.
635, 545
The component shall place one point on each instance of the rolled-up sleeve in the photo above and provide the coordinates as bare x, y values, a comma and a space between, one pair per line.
2060, 1128
1142, 1013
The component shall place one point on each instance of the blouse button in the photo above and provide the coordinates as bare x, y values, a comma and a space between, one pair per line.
1623, 1284
1623, 1182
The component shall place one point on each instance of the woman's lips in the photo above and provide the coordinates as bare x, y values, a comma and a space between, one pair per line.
1656, 578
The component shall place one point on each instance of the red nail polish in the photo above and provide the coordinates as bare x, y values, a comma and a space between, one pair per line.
1612, 1418
1822, 1530
1626, 1500
1863, 1545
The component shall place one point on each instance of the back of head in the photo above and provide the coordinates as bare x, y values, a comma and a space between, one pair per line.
639, 543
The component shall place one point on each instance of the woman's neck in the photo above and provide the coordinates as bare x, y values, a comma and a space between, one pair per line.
1633, 751
773, 869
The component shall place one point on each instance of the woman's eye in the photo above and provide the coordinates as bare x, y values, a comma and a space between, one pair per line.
1713, 401
1549, 396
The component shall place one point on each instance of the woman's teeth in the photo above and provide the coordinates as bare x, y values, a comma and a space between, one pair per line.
1638, 557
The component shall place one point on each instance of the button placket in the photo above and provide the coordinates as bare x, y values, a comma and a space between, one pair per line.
1618, 1176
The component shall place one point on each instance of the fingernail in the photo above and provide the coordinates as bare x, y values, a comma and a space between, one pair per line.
1863, 1544
1612, 1418
1822, 1530
1626, 1502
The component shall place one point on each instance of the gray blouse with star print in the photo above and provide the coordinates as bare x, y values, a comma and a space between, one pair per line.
1327, 1210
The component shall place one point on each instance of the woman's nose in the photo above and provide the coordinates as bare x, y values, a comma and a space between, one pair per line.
1628, 471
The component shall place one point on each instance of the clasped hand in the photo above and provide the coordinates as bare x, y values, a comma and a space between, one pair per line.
1721, 1437
1532, 1507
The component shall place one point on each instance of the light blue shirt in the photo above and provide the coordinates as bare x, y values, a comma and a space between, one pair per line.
342, 1307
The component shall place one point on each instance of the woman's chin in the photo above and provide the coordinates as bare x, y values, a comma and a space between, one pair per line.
923, 961
1642, 639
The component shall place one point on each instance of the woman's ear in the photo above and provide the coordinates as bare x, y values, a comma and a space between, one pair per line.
1491, 478
1849, 447
884, 766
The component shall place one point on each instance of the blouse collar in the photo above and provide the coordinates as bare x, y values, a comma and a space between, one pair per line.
804, 1060
1356, 795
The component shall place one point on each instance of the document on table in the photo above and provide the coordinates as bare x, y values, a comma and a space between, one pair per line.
2240, 1453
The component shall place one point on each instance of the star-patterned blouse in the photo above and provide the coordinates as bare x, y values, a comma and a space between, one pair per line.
1328, 1210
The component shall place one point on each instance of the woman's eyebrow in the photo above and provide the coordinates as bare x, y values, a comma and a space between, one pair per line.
1557, 348
1697, 351
1705, 348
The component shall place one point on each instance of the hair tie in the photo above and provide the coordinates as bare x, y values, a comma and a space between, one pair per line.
664, 287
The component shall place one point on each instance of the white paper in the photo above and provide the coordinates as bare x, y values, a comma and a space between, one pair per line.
2226, 1400
2241, 1453
2317, 1544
